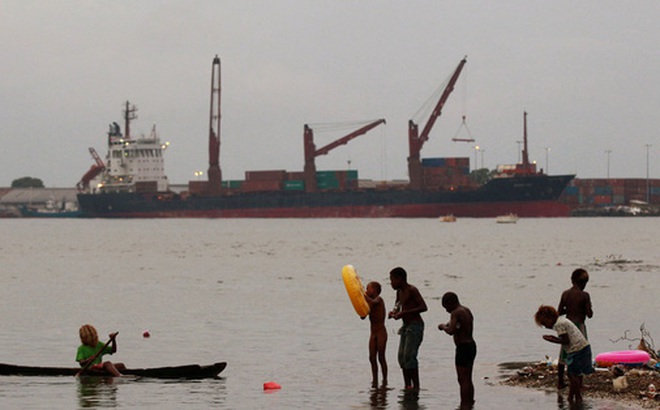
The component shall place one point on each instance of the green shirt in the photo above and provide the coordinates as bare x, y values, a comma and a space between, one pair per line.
85, 352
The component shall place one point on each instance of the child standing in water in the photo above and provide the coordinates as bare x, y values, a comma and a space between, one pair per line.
408, 307
378, 337
460, 326
575, 303
577, 348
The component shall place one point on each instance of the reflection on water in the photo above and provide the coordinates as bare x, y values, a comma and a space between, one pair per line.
378, 397
563, 404
94, 392
408, 399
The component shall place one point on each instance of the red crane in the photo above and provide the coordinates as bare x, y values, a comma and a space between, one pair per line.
416, 141
311, 152
94, 170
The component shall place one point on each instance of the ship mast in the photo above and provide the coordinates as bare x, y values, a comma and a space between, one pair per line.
214, 172
525, 167
525, 156
130, 113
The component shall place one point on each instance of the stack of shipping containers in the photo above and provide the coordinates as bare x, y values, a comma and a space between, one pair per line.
446, 173
603, 192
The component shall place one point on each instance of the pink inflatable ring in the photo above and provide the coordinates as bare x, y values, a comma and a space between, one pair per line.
625, 357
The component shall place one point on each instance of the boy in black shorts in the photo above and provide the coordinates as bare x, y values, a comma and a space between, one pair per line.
460, 325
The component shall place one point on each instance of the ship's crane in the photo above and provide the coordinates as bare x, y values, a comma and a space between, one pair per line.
311, 152
214, 172
94, 170
526, 168
416, 140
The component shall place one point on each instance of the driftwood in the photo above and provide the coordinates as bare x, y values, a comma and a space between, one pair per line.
646, 342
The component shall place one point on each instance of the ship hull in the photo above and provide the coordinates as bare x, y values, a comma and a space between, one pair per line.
533, 196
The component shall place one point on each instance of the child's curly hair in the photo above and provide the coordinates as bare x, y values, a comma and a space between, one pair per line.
88, 335
546, 312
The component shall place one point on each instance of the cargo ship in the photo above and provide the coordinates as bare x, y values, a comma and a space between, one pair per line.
131, 183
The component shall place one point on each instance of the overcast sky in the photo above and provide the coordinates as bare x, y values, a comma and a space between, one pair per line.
587, 72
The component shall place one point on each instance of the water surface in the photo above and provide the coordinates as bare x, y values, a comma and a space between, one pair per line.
267, 297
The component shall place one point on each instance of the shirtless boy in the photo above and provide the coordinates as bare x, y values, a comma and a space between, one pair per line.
575, 303
378, 337
408, 307
460, 326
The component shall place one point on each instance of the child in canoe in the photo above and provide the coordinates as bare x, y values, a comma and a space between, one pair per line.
92, 350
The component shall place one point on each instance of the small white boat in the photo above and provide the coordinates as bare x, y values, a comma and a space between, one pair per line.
507, 219
448, 218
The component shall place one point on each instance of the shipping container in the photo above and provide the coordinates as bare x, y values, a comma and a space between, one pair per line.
603, 190
261, 185
618, 199
294, 185
295, 176
463, 162
602, 199
232, 184
333, 177
327, 184
433, 162
197, 187
435, 171
326, 175
273, 175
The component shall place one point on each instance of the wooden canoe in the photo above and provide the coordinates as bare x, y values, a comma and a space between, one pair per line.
191, 371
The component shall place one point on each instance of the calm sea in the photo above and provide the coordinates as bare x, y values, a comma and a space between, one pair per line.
266, 296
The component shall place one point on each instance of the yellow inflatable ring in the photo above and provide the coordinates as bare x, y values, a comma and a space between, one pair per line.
355, 290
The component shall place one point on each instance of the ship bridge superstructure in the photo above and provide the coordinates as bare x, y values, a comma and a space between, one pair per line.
132, 164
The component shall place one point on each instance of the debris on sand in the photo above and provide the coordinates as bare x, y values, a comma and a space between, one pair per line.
630, 385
